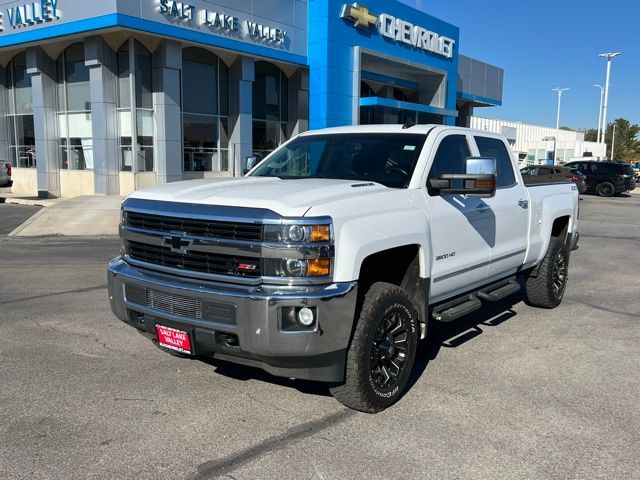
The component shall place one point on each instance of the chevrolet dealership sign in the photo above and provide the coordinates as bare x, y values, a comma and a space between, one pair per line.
399, 30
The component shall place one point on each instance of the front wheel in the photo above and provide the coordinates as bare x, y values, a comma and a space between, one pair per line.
546, 289
382, 351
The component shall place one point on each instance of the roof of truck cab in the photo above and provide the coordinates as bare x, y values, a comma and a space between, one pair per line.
384, 128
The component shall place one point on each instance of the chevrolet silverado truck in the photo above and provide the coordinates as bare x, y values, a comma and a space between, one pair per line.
331, 258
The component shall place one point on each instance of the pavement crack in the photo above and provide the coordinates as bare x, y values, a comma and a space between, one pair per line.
601, 308
223, 466
54, 294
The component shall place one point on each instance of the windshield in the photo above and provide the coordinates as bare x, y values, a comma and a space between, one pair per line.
389, 159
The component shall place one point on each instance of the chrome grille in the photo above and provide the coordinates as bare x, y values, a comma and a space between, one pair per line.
204, 262
175, 304
191, 307
195, 227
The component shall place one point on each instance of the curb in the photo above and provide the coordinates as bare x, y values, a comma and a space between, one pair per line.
23, 201
27, 222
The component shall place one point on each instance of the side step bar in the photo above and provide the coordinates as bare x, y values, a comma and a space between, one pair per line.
454, 309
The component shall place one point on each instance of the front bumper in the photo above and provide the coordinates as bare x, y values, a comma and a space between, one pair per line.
246, 324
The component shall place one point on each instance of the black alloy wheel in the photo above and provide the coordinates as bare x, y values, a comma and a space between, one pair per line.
389, 350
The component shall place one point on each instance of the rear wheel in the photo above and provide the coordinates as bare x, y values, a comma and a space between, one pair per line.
605, 189
546, 288
382, 351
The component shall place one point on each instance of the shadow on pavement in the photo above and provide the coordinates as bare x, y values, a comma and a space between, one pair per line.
440, 335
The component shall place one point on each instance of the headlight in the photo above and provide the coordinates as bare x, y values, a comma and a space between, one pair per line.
297, 233
290, 267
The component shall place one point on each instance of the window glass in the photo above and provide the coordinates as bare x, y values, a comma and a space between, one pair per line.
389, 159
19, 116
77, 79
205, 110
199, 81
144, 90
124, 92
544, 171
270, 108
22, 84
450, 157
495, 148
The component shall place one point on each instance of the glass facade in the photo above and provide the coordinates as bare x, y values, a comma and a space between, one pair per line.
135, 119
74, 110
270, 108
205, 112
21, 134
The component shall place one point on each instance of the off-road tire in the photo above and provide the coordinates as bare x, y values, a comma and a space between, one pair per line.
382, 303
539, 289
605, 189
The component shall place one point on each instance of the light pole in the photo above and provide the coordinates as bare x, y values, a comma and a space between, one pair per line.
609, 56
555, 144
613, 141
600, 113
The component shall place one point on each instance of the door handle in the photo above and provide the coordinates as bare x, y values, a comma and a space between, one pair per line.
483, 208
523, 203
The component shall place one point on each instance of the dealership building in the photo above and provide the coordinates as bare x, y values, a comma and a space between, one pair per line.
105, 97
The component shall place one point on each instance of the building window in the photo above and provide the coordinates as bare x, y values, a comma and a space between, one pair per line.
270, 108
22, 150
135, 119
205, 111
74, 110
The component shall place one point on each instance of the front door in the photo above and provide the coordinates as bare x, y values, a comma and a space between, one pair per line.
509, 211
461, 229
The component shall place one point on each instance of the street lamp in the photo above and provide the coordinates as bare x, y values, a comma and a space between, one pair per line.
600, 113
613, 142
609, 56
555, 144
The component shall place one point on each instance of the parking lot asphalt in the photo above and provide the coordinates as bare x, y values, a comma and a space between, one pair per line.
510, 392
12, 216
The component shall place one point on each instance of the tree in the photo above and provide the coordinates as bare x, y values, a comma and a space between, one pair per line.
627, 146
591, 135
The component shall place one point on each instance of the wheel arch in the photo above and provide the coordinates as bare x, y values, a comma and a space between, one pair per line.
403, 266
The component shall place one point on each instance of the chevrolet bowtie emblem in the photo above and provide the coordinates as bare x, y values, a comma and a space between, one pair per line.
178, 243
360, 15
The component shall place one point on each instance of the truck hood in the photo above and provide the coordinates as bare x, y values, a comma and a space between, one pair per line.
288, 198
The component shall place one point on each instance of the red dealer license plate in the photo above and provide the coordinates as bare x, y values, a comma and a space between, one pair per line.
177, 340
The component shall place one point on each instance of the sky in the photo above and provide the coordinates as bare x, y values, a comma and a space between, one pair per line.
545, 44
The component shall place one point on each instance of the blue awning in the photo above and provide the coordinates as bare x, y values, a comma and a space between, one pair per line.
414, 107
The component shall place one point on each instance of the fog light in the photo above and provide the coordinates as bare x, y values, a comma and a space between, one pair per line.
306, 317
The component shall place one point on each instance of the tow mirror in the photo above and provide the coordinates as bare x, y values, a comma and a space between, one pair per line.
479, 179
249, 162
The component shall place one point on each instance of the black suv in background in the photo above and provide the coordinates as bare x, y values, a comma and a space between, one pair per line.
606, 178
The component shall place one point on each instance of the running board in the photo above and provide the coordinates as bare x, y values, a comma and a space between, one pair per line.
454, 309
498, 291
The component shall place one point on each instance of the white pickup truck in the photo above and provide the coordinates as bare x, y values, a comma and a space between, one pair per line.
331, 257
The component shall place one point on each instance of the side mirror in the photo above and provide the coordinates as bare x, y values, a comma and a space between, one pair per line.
249, 162
479, 181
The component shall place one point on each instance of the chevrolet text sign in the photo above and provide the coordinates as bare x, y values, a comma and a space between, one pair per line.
399, 30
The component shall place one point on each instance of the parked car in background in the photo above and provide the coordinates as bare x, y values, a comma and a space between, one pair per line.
538, 174
636, 169
5, 175
606, 178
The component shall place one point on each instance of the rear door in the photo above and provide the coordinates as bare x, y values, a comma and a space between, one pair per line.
461, 229
509, 210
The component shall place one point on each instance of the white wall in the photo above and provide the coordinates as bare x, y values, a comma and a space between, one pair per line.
532, 137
